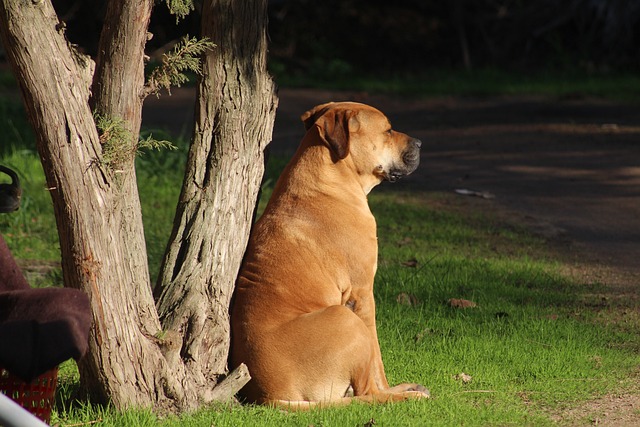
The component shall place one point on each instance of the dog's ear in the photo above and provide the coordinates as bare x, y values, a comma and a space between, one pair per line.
333, 126
310, 117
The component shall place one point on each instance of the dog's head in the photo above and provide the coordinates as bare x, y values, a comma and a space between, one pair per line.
363, 135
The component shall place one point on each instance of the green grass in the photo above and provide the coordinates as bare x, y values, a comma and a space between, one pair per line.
535, 342
31, 232
160, 174
532, 344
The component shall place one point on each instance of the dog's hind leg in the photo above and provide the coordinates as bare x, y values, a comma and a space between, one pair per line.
333, 350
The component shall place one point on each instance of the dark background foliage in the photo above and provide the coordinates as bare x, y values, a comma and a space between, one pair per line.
409, 34
406, 36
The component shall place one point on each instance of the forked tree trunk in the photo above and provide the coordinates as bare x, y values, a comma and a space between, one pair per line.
234, 118
97, 208
131, 362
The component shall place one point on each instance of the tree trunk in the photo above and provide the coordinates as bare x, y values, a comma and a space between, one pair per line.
234, 122
124, 363
97, 208
131, 362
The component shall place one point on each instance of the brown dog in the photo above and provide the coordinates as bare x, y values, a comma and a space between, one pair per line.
303, 317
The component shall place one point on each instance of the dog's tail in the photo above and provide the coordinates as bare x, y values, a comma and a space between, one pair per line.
305, 405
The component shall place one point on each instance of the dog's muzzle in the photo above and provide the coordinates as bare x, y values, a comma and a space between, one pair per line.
410, 161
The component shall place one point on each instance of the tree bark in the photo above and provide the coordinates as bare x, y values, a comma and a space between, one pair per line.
234, 122
124, 364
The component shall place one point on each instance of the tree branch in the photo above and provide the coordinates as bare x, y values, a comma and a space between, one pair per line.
232, 384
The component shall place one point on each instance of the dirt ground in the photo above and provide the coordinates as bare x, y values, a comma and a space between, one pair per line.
568, 169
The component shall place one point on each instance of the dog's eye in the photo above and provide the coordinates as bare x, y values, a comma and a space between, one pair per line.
388, 131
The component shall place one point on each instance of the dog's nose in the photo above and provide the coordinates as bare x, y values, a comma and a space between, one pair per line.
416, 142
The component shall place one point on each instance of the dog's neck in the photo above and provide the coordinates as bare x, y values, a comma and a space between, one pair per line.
331, 172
